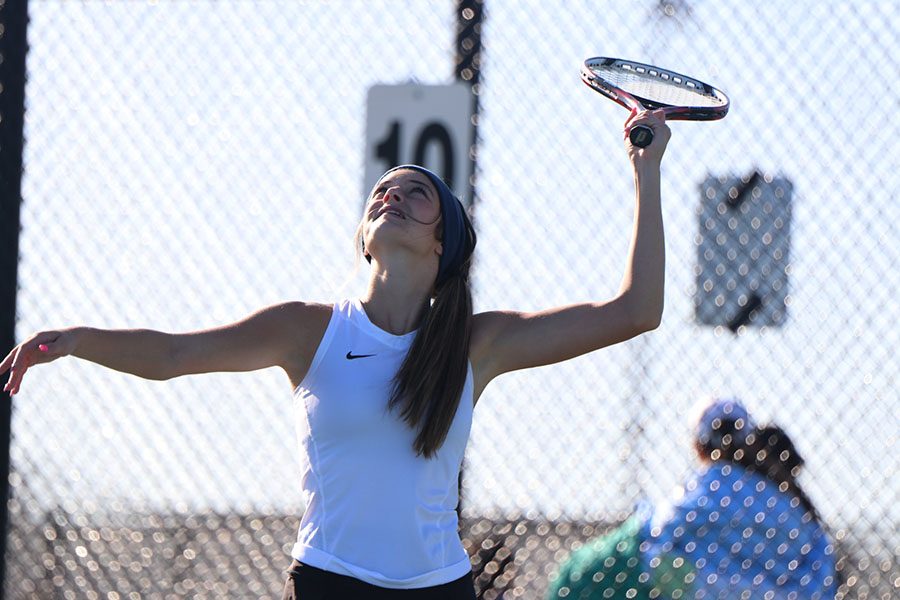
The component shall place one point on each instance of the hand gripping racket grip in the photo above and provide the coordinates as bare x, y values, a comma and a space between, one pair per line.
641, 136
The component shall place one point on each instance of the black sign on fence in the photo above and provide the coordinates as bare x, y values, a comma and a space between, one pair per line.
743, 247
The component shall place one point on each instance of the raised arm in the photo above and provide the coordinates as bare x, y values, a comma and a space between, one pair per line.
507, 341
283, 335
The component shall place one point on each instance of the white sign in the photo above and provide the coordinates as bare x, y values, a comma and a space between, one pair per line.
427, 125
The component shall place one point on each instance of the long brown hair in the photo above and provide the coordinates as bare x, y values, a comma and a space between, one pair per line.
428, 386
429, 383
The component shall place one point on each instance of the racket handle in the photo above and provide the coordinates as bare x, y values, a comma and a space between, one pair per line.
641, 136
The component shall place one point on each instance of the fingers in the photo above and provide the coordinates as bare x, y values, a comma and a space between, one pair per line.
655, 119
17, 370
634, 112
8, 365
38, 349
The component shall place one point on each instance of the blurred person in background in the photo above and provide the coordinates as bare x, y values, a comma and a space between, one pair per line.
743, 528
384, 385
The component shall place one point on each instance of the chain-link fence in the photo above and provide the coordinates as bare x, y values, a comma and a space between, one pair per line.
189, 162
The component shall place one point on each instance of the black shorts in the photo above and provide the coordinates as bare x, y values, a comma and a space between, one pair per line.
309, 583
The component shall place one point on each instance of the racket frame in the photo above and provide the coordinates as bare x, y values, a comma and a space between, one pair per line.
628, 100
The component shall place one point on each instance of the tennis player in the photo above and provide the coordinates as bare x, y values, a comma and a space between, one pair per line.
384, 385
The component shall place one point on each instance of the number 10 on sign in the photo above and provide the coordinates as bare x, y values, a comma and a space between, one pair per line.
429, 125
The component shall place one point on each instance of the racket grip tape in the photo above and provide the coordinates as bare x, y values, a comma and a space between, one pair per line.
641, 136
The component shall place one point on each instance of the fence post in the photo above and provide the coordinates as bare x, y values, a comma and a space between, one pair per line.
13, 46
469, 18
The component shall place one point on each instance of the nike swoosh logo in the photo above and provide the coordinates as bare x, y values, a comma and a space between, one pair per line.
351, 356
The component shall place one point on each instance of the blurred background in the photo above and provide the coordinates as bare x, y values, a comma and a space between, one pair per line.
186, 163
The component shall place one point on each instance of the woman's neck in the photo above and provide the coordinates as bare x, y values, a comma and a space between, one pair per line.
394, 302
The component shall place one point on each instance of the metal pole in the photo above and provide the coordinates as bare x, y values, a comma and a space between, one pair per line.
469, 19
13, 46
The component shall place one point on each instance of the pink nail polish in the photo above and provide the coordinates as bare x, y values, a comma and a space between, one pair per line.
42, 347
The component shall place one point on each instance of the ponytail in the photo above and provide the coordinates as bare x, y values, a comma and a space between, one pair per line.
429, 384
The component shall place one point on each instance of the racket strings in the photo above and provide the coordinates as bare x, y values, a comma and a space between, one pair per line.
660, 88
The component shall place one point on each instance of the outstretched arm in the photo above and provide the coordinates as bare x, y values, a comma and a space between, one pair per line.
506, 341
283, 335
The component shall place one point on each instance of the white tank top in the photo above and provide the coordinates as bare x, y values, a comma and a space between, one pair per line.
374, 510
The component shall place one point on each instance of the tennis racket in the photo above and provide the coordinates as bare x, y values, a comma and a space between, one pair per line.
636, 85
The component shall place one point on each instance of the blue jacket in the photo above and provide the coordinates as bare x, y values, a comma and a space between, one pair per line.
740, 533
